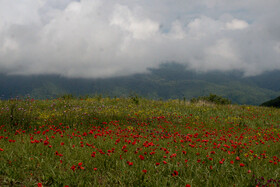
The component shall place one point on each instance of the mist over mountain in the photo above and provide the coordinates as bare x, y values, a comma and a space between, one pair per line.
169, 81
116, 48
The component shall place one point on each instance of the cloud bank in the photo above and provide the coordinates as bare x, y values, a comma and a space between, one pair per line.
94, 38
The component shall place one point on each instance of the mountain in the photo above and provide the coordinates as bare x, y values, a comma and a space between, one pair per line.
272, 103
168, 81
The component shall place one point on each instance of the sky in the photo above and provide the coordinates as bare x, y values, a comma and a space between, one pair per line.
107, 38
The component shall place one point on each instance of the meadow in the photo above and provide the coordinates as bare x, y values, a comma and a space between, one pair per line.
137, 142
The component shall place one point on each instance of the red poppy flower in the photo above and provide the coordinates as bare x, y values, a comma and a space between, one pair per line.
175, 173
46, 142
73, 167
242, 165
141, 157
129, 163
144, 171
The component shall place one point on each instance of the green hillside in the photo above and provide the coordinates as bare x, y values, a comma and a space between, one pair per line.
169, 81
272, 103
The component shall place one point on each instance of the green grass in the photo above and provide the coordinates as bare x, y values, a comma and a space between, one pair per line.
41, 140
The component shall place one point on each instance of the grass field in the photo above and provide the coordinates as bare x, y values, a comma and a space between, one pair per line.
137, 142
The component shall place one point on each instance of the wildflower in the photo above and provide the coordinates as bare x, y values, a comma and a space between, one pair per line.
93, 154
141, 157
73, 167
242, 165
129, 163
46, 142
40, 184
175, 173
144, 171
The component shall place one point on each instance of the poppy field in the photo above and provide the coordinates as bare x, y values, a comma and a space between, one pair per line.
137, 142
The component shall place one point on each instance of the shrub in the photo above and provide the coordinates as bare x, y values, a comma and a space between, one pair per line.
67, 97
212, 98
134, 98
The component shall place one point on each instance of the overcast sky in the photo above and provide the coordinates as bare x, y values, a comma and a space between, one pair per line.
104, 38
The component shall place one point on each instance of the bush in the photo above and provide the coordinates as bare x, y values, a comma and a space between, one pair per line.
67, 97
212, 98
134, 98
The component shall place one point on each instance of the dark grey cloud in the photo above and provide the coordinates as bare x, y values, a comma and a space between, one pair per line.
94, 38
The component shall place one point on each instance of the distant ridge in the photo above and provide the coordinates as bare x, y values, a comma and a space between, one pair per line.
168, 81
272, 103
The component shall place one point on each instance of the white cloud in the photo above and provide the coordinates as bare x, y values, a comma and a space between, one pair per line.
223, 54
9, 45
236, 24
107, 38
177, 31
138, 28
277, 47
204, 27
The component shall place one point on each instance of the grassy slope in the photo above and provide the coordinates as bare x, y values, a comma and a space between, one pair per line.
42, 140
